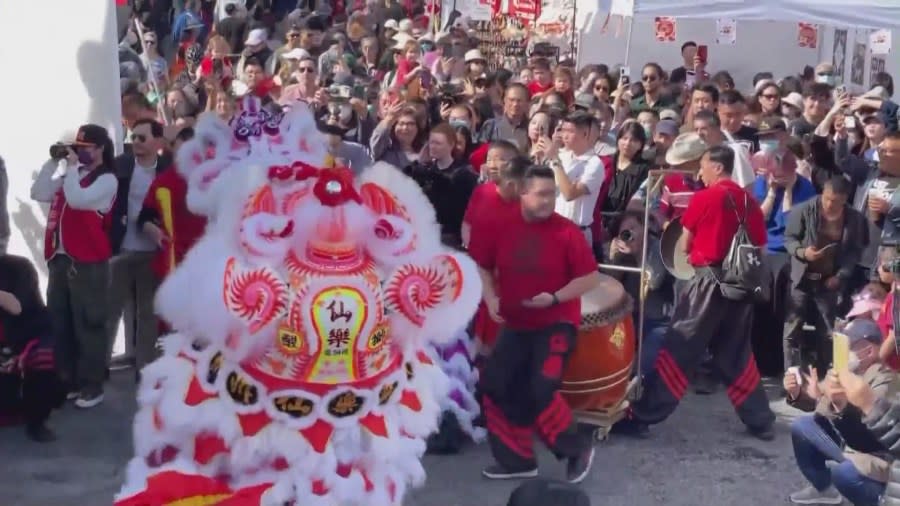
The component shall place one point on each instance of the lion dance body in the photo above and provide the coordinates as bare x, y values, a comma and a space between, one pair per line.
300, 370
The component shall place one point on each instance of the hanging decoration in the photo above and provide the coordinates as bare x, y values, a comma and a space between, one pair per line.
665, 29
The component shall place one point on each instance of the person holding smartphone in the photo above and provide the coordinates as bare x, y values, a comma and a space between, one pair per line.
824, 239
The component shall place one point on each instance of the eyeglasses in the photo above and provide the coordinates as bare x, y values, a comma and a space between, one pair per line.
649, 78
306, 70
769, 97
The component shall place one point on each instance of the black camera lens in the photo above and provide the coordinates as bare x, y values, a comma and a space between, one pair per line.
59, 151
626, 235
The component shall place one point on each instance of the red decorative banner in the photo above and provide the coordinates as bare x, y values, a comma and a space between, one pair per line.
807, 35
665, 29
528, 10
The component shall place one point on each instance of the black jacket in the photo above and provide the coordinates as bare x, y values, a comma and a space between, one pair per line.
802, 231
449, 192
18, 276
123, 170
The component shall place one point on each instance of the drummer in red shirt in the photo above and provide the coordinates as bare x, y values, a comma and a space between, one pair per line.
703, 318
534, 267
489, 207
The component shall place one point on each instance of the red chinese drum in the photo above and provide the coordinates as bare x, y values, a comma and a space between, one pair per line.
599, 369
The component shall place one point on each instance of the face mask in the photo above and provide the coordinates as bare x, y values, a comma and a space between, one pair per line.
85, 157
853, 361
456, 122
647, 133
768, 147
825, 79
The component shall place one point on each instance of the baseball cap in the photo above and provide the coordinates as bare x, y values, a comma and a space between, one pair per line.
474, 55
859, 330
772, 125
585, 101
295, 54
391, 24
824, 68
91, 135
670, 114
793, 99
866, 301
667, 127
256, 36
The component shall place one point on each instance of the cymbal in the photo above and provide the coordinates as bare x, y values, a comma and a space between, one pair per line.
671, 248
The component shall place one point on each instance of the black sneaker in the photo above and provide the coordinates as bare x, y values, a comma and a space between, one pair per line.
577, 468
40, 433
498, 472
631, 428
764, 433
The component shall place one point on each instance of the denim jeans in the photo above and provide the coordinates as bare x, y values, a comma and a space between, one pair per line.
815, 442
654, 332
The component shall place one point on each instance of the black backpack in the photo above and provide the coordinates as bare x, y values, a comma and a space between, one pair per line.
745, 274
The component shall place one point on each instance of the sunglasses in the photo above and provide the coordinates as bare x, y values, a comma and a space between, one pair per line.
303, 70
770, 96
649, 78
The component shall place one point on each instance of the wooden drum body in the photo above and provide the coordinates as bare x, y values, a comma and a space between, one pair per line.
599, 368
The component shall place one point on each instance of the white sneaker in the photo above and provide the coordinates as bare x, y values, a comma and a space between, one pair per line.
810, 495
86, 401
71, 396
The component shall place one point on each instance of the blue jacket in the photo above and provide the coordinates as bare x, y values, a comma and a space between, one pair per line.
185, 20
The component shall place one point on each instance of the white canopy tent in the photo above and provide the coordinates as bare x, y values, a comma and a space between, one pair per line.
766, 32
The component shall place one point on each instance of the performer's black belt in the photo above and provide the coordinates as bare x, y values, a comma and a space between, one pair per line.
813, 276
585, 227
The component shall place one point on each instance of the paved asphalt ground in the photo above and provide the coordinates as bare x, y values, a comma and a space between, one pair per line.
699, 457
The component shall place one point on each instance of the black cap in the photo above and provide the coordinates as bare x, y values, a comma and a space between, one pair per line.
91, 135
771, 125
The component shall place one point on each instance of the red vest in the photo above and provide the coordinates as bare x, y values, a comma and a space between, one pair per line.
83, 233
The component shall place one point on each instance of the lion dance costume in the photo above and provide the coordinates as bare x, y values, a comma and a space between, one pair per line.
299, 371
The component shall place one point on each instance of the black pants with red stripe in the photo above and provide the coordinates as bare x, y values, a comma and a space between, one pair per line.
703, 319
520, 385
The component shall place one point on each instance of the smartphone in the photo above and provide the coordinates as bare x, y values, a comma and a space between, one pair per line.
850, 121
827, 246
690, 78
625, 76
703, 53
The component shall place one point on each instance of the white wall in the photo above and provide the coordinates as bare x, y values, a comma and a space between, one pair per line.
761, 46
60, 66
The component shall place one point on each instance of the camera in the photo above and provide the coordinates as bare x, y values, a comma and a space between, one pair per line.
626, 235
449, 94
340, 92
59, 150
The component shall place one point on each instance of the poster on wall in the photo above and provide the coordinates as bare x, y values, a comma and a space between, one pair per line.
880, 42
858, 64
665, 28
726, 31
875, 67
807, 35
527, 10
839, 54
554, 26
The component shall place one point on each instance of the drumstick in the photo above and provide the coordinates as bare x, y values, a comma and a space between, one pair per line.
164, 197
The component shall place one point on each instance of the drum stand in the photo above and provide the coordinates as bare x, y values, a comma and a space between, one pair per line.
602, 420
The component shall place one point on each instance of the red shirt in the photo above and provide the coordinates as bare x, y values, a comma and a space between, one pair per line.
713, 223
479, 156
188, 227
886, 324
487, 209
535, 87
678, 189
530, 258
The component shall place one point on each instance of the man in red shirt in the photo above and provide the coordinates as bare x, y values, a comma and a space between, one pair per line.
703, 317
492, 205
534, 270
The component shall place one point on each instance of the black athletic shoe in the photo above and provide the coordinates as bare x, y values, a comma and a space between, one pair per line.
498, 472
765, 433
631, 428
577, 468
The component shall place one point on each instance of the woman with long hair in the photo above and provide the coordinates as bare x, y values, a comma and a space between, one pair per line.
630, 170
769, 98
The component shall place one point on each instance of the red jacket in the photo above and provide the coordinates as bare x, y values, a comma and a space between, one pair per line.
166, 206
84, 234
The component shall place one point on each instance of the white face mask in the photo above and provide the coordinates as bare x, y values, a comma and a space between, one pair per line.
853, 361
768, 146
825, 79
